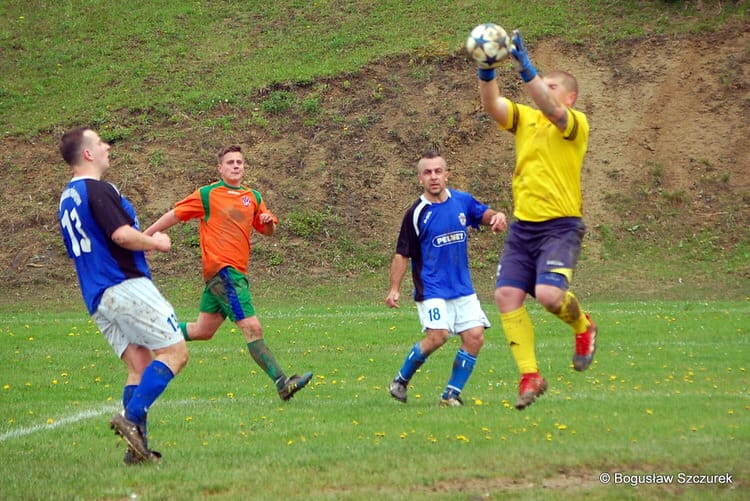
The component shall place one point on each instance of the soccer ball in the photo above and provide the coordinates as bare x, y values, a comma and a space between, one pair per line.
488, 45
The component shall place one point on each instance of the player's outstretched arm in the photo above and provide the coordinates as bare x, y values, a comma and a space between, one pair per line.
129, 238
536, 86
163, 223
492, 103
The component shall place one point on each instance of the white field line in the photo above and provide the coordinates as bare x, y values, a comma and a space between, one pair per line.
21, 432
367, 312
81, 416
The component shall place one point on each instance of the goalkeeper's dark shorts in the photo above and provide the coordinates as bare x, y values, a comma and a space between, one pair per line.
540, 253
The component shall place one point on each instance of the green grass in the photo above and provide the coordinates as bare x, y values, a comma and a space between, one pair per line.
120, 65
668, 393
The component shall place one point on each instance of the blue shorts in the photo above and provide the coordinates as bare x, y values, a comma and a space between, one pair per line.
540, 253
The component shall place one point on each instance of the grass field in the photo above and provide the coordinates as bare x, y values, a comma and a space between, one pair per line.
668, 394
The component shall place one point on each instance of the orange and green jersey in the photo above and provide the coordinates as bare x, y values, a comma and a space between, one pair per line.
547, 177
227, 217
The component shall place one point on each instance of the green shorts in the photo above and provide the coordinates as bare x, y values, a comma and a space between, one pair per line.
228, 293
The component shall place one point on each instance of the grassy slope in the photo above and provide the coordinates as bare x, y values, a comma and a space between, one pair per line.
63, 61
123, 68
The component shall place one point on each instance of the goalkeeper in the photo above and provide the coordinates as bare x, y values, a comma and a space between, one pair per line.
544, 241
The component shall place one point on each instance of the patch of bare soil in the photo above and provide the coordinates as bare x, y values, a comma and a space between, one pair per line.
668, 158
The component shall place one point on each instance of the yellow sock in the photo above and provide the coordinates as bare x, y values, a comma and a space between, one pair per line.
520, 335
570, 313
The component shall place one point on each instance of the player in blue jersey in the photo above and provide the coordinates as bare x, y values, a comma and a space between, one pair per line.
543, 243
101, 233
434, 236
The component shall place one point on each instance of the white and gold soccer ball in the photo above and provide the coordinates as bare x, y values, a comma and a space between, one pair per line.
488, 45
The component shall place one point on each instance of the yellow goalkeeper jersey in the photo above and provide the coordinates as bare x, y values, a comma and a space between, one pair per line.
547, 177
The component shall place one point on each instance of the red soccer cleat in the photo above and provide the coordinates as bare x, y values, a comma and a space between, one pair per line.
585, 348
531, 386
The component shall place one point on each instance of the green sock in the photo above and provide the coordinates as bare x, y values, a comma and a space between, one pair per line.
183, 328
265, 360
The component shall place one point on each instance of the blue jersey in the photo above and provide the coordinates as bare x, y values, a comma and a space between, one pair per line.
90, 211
435, 237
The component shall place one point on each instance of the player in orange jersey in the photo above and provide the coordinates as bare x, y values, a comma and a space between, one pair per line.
228, 213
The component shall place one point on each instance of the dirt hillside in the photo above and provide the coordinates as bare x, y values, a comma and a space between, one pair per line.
668, 158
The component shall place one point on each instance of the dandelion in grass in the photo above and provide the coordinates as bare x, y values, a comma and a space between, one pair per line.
650, 412
6, 387
462, 438
403, 435
561, 426
50, 421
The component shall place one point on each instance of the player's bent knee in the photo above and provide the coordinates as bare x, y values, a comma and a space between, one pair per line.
551, 296
473, 340
175, 357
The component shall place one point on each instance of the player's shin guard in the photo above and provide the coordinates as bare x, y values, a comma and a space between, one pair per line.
266, 361
520, 335
413, 361
463, 365
571, 313
154, 381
